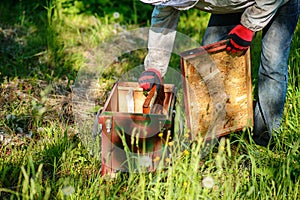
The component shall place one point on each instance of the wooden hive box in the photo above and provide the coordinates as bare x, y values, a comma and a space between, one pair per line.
128, 126
213, 80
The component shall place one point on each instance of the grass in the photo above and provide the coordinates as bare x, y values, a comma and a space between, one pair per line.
43, 46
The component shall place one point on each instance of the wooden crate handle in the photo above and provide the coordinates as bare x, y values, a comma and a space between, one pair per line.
149, 101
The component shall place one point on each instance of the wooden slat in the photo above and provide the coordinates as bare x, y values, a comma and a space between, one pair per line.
149, 101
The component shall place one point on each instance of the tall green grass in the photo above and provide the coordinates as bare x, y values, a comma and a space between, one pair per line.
39, 60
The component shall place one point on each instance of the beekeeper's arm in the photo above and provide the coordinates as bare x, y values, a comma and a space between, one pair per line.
161, 39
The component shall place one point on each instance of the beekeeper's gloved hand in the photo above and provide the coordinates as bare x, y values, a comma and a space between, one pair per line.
240, 39
150, 77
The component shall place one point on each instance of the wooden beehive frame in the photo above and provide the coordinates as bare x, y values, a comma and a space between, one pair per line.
231, 74
116, 102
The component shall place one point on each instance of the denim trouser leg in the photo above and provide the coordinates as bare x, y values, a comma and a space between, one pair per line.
273, 71
219, 26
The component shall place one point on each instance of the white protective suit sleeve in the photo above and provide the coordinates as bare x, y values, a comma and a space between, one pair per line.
257, 16
162, 35
257, 13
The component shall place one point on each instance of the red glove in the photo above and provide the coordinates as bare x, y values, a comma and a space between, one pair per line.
150, 77
240, 39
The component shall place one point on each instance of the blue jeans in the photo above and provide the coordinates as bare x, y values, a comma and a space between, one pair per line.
273, 69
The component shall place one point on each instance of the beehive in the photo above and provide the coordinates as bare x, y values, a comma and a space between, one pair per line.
130, 137
218, 90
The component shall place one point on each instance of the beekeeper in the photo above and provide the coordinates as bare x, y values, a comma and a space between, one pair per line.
236, 20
